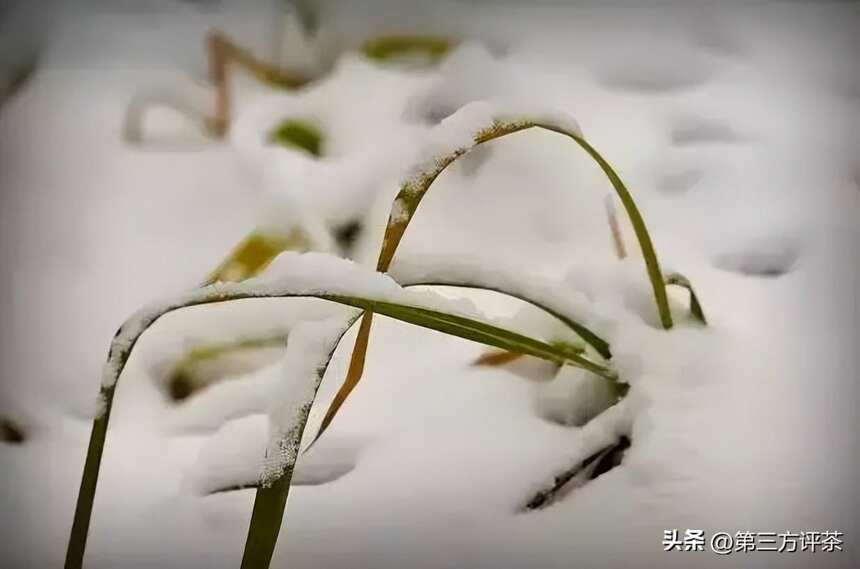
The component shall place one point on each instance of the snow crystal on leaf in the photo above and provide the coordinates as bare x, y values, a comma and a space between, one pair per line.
308, 353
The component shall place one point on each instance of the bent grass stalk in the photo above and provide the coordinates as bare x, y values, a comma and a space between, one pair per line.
411, 193
222, 51
696, 311
128, 335
270, 500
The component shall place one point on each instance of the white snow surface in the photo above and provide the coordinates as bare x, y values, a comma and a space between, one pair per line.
734, 125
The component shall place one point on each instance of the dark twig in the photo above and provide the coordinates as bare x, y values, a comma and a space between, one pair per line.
595, 465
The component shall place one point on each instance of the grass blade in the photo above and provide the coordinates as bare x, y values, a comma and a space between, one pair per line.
255, 252
696, 311
129, 334
89, 480
441, 278
271, 496
452, 280
353, 374
477, 331
413, 189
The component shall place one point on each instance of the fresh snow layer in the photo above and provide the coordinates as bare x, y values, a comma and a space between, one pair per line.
735, 127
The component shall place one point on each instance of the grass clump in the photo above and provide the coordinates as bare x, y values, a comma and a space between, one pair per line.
593, 354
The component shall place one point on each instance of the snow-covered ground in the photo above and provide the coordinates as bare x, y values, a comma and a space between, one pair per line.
736, 128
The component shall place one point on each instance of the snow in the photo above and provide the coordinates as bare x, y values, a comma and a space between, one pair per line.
459, 132
335, 188
735, 127
304, 364
291, 274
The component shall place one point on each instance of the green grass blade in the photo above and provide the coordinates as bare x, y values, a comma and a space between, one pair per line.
696, 310
412, 191
271, 496
389, 47
476, 331
639, 228
89, 480
356, 364
129, 334
595, 341
266, 519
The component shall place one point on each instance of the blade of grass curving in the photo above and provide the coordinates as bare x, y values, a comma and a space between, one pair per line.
413, 189
477, 331
680, 280
129, 333
595, 341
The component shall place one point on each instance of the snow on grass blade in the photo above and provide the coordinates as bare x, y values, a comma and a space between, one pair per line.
314, 355
466, 273
478, 332
462, 275
696, 311
302, 276
481, 122
475, 124
251, 256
